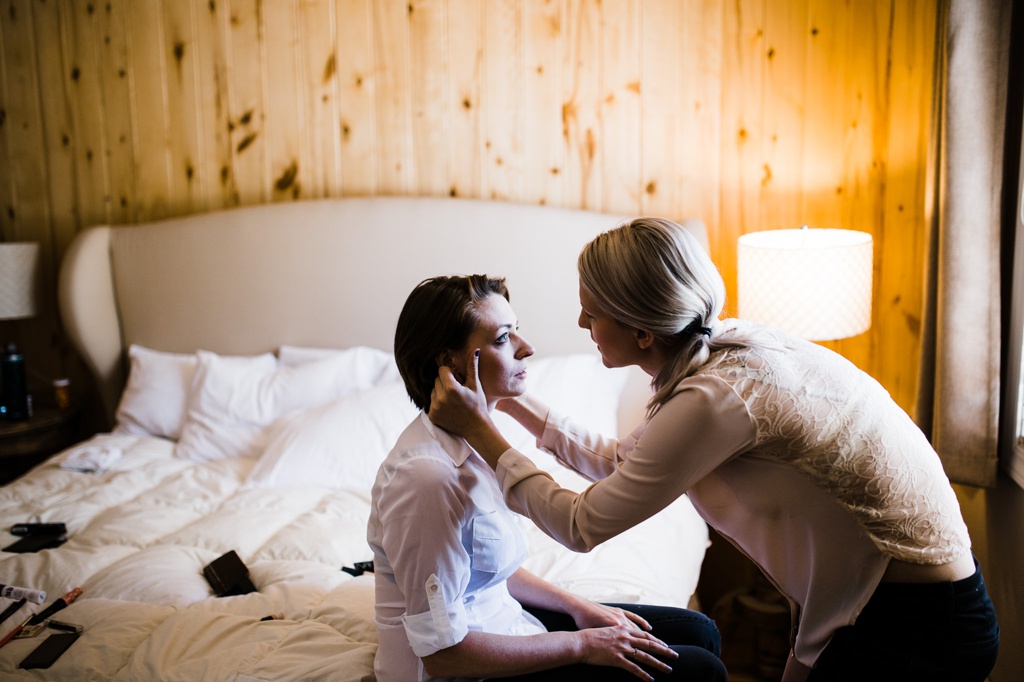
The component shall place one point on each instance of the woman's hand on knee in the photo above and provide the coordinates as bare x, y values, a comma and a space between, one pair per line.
626, 647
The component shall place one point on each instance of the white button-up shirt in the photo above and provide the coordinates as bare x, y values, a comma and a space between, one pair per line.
443, 544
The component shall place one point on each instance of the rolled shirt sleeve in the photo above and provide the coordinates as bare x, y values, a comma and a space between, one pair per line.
444, 625
431, 565
444, 545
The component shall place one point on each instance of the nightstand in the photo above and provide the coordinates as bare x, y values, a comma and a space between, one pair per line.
23, 444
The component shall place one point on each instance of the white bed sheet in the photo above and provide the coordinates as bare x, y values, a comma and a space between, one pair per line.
141, 531
299, 273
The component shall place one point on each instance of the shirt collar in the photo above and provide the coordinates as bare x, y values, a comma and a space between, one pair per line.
454, 446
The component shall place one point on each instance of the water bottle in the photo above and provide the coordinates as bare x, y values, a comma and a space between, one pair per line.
14, 400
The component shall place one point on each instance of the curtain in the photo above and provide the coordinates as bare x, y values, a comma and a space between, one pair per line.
958, 394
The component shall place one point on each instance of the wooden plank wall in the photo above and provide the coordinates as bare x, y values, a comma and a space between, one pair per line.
750, 114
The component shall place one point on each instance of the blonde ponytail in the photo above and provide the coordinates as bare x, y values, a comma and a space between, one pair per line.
652, 274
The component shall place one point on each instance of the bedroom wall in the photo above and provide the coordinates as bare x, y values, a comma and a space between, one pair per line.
751, 115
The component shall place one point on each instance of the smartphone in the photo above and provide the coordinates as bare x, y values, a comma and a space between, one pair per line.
34, 543
49, 651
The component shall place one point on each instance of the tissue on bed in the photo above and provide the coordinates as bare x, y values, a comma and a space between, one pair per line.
92, 456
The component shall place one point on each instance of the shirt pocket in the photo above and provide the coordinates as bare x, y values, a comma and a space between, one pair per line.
494, 543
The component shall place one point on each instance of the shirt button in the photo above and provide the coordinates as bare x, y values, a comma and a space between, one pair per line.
433, 588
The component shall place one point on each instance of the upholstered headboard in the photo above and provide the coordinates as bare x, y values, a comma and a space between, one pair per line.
322, 273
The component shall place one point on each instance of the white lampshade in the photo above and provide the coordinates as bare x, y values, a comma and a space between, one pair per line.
18, 264
814, 283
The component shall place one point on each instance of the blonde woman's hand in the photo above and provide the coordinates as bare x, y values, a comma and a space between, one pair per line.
457, 406
462, 409
626, 647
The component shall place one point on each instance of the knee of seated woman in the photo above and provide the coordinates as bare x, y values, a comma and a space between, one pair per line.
695, 663
691, 628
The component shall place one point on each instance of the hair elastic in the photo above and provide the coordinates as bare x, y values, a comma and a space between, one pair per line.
696, 329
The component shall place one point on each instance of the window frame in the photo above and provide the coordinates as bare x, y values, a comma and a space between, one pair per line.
1012, 417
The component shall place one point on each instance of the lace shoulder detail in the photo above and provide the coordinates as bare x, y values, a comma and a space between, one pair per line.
835, 424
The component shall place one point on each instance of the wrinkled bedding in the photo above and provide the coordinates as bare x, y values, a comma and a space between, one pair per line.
219, 447
141, 531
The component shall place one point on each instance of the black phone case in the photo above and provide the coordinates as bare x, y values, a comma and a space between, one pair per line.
49, 651
228, 576
34, 543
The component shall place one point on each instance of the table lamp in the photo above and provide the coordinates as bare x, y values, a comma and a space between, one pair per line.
18, 277
814, 283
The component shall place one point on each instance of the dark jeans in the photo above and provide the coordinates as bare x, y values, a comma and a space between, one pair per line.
692, 635
937, 632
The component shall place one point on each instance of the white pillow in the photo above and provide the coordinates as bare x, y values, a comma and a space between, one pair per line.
154, 401
233, 398
371, 365
341, 444
337, 445
228, 405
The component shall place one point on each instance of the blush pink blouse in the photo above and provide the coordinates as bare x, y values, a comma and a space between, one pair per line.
801, 460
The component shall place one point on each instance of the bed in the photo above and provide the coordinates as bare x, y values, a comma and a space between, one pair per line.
243, 360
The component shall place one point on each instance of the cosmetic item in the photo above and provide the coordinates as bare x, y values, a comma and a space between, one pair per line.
63, 627
14, 633
228, 576
31, 630
12, 609
15, 592
62, 393
56, 606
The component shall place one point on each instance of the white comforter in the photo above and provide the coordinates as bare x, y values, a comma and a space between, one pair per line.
141, 531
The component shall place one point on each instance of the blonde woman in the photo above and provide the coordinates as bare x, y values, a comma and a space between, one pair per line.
803, 461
